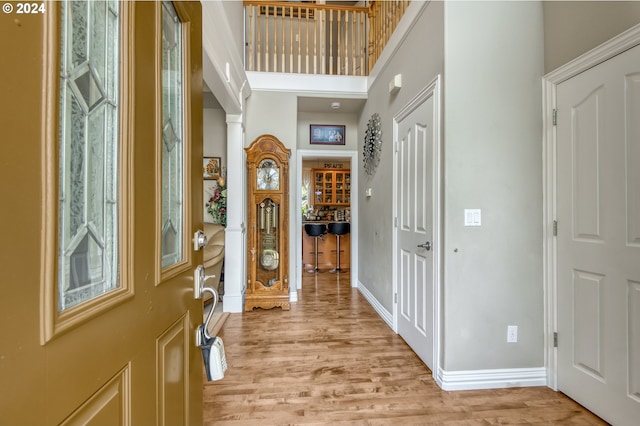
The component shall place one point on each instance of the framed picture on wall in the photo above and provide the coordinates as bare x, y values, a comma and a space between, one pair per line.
323, 134
211, 167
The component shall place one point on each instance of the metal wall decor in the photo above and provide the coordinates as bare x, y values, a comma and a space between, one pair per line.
372, 144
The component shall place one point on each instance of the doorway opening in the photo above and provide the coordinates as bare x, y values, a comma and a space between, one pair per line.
338, 173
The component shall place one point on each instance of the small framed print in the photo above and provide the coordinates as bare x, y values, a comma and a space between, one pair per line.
211, 167
323, 134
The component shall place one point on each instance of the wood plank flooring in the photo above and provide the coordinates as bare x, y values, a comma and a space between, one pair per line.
332, 360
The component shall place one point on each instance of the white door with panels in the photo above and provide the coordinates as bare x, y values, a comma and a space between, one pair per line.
417, 133
598, 261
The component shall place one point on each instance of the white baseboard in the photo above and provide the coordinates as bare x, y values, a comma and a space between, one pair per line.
490, 379
471, 379
386, 315
233, 304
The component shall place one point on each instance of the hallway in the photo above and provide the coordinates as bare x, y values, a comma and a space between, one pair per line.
332, 360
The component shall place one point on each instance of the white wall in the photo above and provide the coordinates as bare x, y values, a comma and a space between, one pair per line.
493, 161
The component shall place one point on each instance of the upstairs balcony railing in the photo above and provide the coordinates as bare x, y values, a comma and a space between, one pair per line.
310, 38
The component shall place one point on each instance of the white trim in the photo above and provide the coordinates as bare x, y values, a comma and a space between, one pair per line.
234, 303
229, 89
491, 379
597, 55
309, 84
384, 314
432, 89
605, 51
353, 158
235, 233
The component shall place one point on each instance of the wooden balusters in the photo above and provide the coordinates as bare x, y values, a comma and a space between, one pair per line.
318, 38
384, 16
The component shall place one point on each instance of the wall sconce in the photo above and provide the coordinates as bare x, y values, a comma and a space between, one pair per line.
395, 84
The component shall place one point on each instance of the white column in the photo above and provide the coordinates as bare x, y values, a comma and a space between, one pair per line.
235, 282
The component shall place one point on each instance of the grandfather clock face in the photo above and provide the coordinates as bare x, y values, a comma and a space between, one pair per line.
268, 175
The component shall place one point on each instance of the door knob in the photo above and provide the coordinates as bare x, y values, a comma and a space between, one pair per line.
199, 240
426, 245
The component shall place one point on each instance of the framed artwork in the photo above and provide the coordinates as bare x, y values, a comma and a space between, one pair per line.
211, 167
322, 134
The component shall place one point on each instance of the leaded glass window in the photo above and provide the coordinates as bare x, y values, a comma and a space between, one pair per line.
172, 137
89, 151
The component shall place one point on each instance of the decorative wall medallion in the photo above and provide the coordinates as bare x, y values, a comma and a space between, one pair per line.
372, 144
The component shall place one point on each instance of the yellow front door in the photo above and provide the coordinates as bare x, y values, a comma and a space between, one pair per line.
101, 137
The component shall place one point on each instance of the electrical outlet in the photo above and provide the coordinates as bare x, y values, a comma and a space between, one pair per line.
512, 333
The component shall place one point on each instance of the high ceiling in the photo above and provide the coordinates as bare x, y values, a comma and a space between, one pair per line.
305, 103
323, 105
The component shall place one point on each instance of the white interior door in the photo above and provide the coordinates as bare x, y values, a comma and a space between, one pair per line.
598, 199
417, 134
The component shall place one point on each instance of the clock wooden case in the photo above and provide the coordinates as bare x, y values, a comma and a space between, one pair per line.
268, 230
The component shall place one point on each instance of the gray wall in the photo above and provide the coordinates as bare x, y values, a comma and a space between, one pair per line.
350, 120
215, 145
419, 59
275, 113
491, 58
493, 161
572, 28
235, 16
215, 133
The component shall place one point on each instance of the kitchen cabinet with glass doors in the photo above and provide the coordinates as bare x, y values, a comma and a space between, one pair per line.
332, 187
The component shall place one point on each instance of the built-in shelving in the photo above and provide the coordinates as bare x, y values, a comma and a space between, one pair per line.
331, 187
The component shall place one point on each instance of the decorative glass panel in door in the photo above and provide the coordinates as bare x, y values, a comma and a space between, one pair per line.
89, 152
172, 138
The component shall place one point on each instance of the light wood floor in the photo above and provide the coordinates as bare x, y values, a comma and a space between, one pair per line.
332, 360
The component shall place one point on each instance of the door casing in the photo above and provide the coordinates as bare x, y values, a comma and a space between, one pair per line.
301, 154
605, 51
432, 89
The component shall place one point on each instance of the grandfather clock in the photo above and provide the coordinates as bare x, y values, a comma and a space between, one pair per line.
268, 230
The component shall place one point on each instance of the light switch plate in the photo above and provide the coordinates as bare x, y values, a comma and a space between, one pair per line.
472, 217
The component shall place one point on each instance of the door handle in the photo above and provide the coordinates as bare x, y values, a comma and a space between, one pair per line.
426, 245
199, 278
199, 289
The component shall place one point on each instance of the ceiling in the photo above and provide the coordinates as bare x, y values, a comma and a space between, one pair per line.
305, 103
323, 105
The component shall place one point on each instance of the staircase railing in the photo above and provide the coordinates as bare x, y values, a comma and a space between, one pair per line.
383, 19
310, 38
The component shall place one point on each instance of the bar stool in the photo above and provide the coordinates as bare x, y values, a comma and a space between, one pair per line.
315, 230
338, 229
